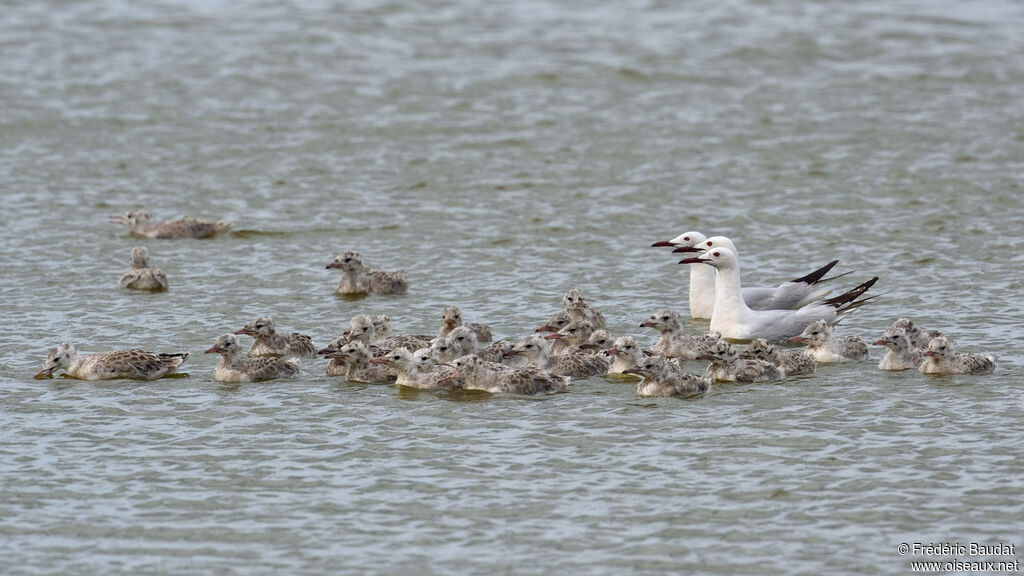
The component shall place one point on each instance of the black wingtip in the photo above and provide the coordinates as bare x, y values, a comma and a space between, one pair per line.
817, 275
850, 296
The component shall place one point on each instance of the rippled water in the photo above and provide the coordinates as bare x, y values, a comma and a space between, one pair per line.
501, 154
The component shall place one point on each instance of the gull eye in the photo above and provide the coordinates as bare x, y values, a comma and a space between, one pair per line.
686, 238
717, 254
709, 243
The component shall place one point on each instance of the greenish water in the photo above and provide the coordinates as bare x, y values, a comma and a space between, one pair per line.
500, 155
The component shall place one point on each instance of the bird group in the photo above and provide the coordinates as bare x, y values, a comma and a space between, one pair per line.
573, 343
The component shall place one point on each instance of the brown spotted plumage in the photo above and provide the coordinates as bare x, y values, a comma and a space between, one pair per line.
142, 276
357, 278
136, 364
271, 343
663, 377
234, 367
143, 225
942, 358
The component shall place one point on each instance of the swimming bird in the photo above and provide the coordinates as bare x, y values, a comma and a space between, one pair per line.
234, 367
600, 340
270, 343
726, 365
113, 364
900, 353
451, 318
577, 308
357, 278
792, 362
479, 374
434, 375
626, 354
673, 343
662, 377
941, 357
353, 361
825, 347
414, 370
142, 276
918, 338
381, 327
788, 295
734, 320
142, 224
362, 327
536, 349
556, 322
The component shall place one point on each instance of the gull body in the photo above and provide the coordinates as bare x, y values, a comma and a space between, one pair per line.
734, 320
357, 278
900, 354
662, 377
941, 357
142, 276
269, 342
825, 347
142, 224
135, 364
234, 367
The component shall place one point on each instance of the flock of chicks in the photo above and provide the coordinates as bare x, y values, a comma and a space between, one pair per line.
573, 343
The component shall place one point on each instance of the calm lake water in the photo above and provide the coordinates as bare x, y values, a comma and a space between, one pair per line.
501, 154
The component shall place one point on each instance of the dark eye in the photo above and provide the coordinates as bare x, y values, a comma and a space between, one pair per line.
717, 254
664, 317
710, 243
686, 238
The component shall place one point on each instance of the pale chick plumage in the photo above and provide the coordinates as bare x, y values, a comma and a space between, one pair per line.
353, 361
918, 338
269, 342
673, 343
941, 357
451, 318
142, 224
418, 369
381, 327
142, 276
362, 328
726, 365
663, 377
626, 354
235, 367
113, 364
825, 347
357, 278
434, 375
536, 349
900, 354
792, 362
577, 308
479, 374
556, 322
